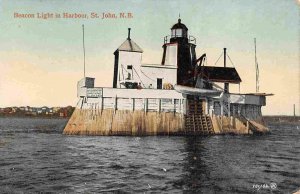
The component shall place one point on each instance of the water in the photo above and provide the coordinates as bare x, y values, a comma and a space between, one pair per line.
36, 157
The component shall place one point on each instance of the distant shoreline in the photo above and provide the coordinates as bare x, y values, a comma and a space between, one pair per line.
33, 117
37, 112
281, 119
267, 119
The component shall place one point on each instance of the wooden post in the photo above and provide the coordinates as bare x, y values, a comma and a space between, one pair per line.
222, 109
115, 104
194, 123
94, 110
102, 104
98, 109
82, 100
231, 122
228, 106
184, 106
159, 105
133, 105
248, 126
221, 122
169, 128
90, 112
180, 101
174, 100
146, 104
206, 106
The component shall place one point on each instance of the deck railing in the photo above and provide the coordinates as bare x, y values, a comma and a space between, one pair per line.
132, 99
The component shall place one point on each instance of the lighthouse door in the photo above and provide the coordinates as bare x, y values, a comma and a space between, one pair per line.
159, 83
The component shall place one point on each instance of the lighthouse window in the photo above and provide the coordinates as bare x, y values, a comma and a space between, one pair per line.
178, 32
173, 33
129, 66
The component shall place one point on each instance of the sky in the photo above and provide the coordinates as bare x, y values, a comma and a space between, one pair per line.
41, 60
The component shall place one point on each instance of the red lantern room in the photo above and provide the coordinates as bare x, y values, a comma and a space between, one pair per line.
179, 30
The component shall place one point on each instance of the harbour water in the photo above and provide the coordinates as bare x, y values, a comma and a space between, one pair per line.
36, 157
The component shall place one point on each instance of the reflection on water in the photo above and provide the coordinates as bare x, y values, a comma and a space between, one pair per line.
36, 157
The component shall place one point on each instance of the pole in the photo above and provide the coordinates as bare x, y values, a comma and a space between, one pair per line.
256, 68
226, 85
83, 50
224, 57
294, 110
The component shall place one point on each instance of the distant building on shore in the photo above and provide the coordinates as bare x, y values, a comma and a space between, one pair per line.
37, 111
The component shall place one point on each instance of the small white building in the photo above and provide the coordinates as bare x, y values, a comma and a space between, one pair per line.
129, 72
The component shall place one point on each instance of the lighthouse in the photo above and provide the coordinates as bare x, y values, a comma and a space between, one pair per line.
179, 51
179, 96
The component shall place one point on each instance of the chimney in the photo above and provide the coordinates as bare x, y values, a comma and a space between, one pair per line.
129, 33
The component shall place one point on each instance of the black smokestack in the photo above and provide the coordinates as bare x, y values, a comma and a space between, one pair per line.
129, 33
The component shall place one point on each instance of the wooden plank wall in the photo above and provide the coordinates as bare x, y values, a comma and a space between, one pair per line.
124, 122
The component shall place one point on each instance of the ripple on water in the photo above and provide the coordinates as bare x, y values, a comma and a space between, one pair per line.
35, 157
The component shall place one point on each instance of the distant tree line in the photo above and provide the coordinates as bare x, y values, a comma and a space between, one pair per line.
44, 111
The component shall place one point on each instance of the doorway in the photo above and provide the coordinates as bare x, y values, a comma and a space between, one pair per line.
159, 83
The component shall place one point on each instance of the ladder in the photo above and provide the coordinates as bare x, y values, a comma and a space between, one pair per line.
196, 121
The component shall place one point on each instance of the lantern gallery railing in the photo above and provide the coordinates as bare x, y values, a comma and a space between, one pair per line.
191, 39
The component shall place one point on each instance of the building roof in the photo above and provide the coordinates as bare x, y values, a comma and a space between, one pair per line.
179, 25
221, 74
129, 45
159, 66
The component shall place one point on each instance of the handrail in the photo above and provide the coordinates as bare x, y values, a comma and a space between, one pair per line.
192, 39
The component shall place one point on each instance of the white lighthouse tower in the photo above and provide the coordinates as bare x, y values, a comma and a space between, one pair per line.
128, 58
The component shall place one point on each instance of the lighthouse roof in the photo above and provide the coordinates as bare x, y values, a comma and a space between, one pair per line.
130, 46
179, 25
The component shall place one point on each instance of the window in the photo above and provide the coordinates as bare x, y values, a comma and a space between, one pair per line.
178, 32
129, 66
129, 76
173, 33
